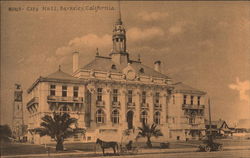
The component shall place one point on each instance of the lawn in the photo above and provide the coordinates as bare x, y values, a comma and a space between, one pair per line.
21, 149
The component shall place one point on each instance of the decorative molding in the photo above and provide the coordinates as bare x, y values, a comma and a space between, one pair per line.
92, 73
108, 90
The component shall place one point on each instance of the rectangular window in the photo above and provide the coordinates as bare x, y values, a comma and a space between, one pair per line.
143, 97
99, 94
198, 100
173, 99
191, 120
52, 90
115, 95
192, 100
64, 91
157, 97
88, 138
75, 89
184, 99
130, 96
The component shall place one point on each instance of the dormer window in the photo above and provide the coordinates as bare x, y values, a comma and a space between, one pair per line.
141, 70
113, 67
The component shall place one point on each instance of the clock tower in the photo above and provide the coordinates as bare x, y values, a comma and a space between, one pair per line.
18, 122
119, 53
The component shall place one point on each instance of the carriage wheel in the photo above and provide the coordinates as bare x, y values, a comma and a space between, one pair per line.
220, 148
136, 150
207, 148
123, 150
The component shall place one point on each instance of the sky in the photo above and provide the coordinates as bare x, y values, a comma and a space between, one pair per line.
202, 44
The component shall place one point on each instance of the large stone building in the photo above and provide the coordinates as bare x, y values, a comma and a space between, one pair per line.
111, 94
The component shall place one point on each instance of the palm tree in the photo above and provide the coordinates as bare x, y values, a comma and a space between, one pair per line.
58, 127
149, 131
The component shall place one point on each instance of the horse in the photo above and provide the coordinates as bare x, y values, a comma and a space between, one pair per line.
105, 145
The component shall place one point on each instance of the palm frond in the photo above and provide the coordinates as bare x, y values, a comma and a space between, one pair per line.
58, 126
149, 131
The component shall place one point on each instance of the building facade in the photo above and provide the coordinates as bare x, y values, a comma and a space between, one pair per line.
115, 93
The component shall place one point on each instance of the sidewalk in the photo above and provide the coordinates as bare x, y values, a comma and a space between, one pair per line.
142, 151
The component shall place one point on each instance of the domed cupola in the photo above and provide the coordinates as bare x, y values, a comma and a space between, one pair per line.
119, 53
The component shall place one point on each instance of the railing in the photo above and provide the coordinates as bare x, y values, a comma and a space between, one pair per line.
116, 104
131, 105
188, 114
157, 106
144, 105
190, 106
64, 99
34, 100
100, 103
197, 126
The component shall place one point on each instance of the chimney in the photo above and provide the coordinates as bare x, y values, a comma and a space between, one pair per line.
158, 65
75, 61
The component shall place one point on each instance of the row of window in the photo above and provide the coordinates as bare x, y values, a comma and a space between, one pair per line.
115, 95
129, 96
191, 99
64, 90
115, 115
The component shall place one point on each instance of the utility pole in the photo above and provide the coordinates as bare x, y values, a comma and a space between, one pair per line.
210, 122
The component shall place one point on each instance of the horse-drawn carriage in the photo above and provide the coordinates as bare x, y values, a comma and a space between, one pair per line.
129, 148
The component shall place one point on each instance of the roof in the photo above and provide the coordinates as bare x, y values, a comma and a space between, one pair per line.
59, 74
181, 87
105, 64
218, 123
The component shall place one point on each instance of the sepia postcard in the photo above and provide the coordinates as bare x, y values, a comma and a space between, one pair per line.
125, 79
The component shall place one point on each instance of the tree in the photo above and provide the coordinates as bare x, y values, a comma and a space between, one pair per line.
149, 131
58, 127
5, 132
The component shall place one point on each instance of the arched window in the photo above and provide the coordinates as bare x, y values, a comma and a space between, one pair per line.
113, 67
115, 116
141, 70
65, 108
99, 116
157, 118
144, 116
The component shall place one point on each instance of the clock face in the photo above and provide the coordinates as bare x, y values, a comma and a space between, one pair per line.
131, 75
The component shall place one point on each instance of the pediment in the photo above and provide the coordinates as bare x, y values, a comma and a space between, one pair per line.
129, 72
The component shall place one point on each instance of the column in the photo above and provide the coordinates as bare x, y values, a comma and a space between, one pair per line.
107, 100
136, 97
123, 111
163, 101
150, 99
93, 109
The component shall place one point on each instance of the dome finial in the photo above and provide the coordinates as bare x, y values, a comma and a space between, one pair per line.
119, 20
97, 52
119, 11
